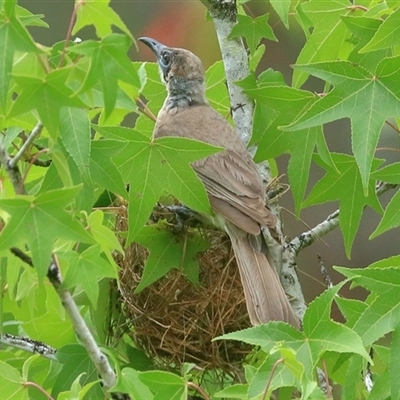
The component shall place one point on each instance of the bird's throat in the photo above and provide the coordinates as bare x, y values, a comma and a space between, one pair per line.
184, 93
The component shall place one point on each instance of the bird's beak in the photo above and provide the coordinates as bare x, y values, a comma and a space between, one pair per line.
154, 45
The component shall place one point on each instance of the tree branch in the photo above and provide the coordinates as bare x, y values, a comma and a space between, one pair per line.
12, 171
34, 134
99, 359
235, 58
29, 345
331, 222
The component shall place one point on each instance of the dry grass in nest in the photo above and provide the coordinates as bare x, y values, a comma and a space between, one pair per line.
175, 321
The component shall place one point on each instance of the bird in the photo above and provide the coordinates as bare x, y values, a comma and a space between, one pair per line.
230, 177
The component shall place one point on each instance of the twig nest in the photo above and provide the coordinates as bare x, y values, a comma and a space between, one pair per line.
175, 321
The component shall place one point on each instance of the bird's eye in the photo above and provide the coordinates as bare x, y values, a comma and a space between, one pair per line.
165, 59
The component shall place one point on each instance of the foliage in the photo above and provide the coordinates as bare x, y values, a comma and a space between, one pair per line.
83, 158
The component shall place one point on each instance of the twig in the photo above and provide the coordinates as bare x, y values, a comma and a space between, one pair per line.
330, 223
368, 380
99, 359
53, 273
12, 172
198, 389
35, 132
29, 345
145, 110
323, 379
324, 273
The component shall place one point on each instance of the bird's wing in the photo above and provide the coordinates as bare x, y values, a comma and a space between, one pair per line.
235, 190
230, 177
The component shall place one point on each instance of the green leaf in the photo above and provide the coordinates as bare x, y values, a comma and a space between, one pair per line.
153, 167
77, 392
387, 35
75, 135
130, 382
154, 91
29, 19
395, 364
329, 37
109, 63
76, 361
39, 221
277, 106
391, 216
99, 14
344, 184
47, 96
383, 314
12, 385
352, 309
389, 173
253, 29
165, 385
320, 335
51, 328
238, 391
103, 171
282, 8
104, 236
363, 28
367, 98
216, 91
168, 251
255, 58
13, 37
281, 375
86, 269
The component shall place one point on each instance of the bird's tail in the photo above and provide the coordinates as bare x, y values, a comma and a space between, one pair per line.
265, 298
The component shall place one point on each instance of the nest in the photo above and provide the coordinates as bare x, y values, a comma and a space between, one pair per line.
175, 321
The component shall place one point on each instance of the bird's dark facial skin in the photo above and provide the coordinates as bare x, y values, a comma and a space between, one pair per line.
163, 54
165, 61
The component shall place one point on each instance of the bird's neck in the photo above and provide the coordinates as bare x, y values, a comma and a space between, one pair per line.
184, 93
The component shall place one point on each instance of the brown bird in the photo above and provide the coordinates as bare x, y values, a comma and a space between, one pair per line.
231, 179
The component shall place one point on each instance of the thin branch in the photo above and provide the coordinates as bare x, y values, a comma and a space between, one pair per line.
368, 378
331, 222
12, 172
29, 345
145, 110
85, 336
324, 273
53, 273
34, 134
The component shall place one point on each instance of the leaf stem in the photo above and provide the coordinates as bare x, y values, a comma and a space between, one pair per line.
69, 31
36, 386
199, 390
271, 375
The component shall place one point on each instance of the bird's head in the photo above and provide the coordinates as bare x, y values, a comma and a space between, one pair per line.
183, 73
174, 62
